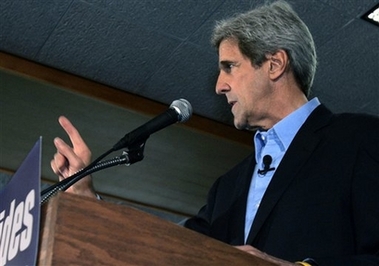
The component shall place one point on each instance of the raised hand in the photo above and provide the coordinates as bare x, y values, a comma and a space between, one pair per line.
70, 159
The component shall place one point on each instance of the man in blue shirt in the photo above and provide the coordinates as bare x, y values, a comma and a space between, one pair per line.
310, 192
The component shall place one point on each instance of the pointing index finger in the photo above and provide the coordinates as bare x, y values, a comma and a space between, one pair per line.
71, 131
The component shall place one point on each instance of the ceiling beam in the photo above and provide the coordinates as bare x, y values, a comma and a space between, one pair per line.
114, 96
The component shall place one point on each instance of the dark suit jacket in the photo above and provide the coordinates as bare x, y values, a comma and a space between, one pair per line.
322, 202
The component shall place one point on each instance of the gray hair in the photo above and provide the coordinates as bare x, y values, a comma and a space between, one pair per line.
267, 29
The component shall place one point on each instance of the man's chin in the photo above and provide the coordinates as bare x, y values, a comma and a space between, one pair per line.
240, 126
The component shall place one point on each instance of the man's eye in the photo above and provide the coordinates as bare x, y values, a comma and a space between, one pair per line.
228, 67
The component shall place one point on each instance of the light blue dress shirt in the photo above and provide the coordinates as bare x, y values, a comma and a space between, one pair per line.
275, 143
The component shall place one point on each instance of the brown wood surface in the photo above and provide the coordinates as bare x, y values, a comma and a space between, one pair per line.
81, 231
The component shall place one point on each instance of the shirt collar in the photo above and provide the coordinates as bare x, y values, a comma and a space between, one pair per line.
286, 129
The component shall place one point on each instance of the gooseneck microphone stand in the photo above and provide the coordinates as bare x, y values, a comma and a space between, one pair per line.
133, 155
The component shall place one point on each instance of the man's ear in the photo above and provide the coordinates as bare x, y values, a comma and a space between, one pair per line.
278, 64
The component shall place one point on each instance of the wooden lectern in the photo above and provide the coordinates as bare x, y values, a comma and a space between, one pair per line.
77, 230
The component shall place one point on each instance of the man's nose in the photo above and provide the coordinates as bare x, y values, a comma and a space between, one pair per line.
221, 85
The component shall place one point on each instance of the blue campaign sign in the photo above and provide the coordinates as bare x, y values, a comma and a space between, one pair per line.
20, 212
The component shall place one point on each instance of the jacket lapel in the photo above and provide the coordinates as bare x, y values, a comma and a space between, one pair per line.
296, 156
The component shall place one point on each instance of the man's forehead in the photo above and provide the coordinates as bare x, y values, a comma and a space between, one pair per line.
228, 44
228, 49
229, 52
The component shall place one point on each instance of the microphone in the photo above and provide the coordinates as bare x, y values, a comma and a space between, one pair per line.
267, 160
179, 111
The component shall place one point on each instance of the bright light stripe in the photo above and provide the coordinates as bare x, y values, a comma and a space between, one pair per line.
372, 15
